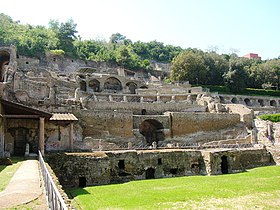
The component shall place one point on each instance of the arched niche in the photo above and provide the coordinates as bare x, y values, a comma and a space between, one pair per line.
94, 84
152, 130
112, 84
132, 87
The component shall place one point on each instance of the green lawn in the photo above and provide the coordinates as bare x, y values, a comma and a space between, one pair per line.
7, 172
258, 188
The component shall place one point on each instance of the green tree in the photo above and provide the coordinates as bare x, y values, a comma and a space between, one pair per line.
235, 78
66, 33
189, 66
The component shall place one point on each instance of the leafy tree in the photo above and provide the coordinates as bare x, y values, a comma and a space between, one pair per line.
235, 78
189, 66
66, 33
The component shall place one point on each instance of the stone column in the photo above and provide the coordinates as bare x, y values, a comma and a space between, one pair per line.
41, 136
71, 136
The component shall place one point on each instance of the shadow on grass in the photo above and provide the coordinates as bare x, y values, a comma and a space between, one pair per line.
14, 160
73, 192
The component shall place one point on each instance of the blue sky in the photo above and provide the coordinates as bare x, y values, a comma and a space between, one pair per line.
240, 26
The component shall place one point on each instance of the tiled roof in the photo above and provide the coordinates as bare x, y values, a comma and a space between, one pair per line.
63, 117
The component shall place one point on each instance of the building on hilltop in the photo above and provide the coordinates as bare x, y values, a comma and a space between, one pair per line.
252, 56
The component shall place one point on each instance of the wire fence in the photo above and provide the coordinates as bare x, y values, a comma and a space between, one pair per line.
55, 200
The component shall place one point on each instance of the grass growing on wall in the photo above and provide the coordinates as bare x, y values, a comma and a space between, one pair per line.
258, 188
7, 172
271, 117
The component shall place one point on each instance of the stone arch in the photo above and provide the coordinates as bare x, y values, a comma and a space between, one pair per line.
94, 84
273, 103
222, 99
132, 87
152, 130
224, 164
83, 86
4, 61
248, 102
261, 102
234, 100
112, 84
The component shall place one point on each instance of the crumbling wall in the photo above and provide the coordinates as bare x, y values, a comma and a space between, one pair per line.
120, 166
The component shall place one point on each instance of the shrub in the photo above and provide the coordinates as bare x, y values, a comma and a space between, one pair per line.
57, 52
271, 117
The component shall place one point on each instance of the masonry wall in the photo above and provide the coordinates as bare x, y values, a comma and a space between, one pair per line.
120, 166
187, 123
106, 123
237, 160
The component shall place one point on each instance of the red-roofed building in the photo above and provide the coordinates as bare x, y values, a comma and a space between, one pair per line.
252, 56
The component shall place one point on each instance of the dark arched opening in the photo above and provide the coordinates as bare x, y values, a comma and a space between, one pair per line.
247, 102
112, 84
4, 62
150, 173
152, 130
94, 85
234, 100
261, 102
222, 99
132, 87
82, 182
273, 103
83, 86
143, 111
144, 87
224, 164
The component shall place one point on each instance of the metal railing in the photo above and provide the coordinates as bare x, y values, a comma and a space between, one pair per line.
55, 200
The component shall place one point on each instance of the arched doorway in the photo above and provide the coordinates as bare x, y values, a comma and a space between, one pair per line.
222, 99
112, 84
261, 102
273, 103
152, 130
4, 61
247, 102
132, 87
234, 100
94, 85
150, 173
224, 164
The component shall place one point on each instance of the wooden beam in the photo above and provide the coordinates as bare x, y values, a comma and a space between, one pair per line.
15, 116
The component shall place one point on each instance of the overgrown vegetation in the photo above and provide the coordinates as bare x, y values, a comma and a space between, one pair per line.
258, 187
247, 91
193, 65
271, 117
7, 172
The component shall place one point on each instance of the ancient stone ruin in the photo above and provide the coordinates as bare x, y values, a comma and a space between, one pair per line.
57, 104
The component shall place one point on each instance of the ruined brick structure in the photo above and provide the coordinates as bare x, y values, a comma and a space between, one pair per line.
108, 107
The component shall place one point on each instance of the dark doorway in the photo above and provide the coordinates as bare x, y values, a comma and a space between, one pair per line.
173, 171
224, 164
143, 111
121, 164
152, 130
150, 173
20, 141
83, 86
82, 182
94, 85
132, 87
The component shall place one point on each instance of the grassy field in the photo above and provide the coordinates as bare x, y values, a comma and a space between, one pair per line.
6, 172
257, 188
